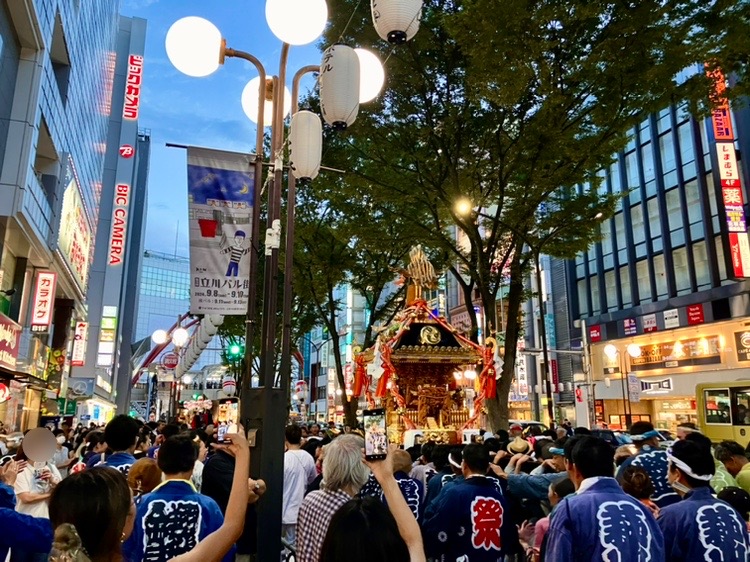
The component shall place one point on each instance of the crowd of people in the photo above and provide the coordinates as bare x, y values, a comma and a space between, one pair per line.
156, 492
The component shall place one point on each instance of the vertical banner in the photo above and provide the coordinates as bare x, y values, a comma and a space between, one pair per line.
78, 355
731, 184
220, 206
44, 301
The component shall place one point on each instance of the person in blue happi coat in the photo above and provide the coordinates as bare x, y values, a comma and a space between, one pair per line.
18, 530
700, 527
449, 474
121, 436
600, 522
470, 520
410, 488
653, 460
174, 517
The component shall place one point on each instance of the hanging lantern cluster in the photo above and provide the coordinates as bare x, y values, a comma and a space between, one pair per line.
396, 21
206, 330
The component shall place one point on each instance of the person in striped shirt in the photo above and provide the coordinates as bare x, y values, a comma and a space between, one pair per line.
235, 253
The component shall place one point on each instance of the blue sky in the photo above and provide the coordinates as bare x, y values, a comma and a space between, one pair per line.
199, 111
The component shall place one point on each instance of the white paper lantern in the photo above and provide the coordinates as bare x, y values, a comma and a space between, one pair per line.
396, 21
205, 337
229, 385
339, 86
305, 145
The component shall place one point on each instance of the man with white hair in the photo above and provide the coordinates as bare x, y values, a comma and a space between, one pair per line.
344, 474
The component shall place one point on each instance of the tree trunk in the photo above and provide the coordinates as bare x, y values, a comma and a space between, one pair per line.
498, 408
350, 407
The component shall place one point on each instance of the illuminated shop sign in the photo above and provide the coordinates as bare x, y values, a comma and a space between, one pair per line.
133, 88
44, 301
679, 353
118, 234
74, 239
78, 355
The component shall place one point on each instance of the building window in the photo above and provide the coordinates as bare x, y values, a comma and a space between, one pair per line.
610, 283
627, 297
644, 280
583, 298
668, 160
717, 406
718, 242
58, 54
681, 272
636, 218
614, 175
660, 274
596, 305
47, 163
700, 264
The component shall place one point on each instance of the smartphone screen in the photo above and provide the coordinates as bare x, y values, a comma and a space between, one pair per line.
376, 437
221, 433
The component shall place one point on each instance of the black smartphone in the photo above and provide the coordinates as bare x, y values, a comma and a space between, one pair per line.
376, 435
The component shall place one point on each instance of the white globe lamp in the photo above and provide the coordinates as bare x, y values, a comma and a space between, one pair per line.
250, 103
297, 22
610, 351
194, 46
159, 337
180, 337
371, 75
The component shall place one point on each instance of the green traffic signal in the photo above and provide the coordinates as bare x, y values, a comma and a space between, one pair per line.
235, 352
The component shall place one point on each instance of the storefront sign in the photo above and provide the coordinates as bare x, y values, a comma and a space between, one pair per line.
118, 233
631, 328
727, 162
74, 239
80, 388
739, 251
78, 355
656, 387
44, 301
721, 116
107, 335
695, 314
10, 335
595, 333
521, 376
649, 323
127, 151
555, 374
133, 88
680, 353
4, 393
742, 344
671, 319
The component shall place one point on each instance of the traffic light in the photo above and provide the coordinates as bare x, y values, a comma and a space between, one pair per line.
235, 352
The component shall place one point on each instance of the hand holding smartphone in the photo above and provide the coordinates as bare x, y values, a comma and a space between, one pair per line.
376, 435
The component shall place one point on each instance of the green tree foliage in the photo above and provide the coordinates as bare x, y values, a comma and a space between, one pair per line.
516, 106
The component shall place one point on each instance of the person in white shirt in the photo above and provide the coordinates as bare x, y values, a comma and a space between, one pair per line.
34, 486
299, 472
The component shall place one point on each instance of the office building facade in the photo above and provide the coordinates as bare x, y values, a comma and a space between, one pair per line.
659, 298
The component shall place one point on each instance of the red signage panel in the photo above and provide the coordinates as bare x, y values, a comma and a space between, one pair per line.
10, 336
695, 314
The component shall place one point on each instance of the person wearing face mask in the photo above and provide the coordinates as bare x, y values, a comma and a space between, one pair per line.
700, 526
61, 459
653, 460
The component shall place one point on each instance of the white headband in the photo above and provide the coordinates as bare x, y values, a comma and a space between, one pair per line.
683, 466
453, 463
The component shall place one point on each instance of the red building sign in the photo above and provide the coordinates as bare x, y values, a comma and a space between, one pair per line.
133, 88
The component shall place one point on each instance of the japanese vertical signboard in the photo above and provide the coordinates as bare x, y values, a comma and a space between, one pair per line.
220, 206
118, 234
133, 88
731, 184
78, 355
44, 301
10, 336
74, 238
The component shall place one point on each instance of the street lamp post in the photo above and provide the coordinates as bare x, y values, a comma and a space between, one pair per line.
633, 351
196, 47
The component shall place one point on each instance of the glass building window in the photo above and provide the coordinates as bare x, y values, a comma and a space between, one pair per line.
649, 173
660, 273
610, 283
664, 120
681, 273
627, 298
654, 221
596, 305
614, 177
583, 298
700, 263
631, 171
636, 218
668, 160
720, 258
644, 285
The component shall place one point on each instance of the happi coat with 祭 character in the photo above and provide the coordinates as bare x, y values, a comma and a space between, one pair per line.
653, 461
700, 527
601, 522
170, 521
470, 521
